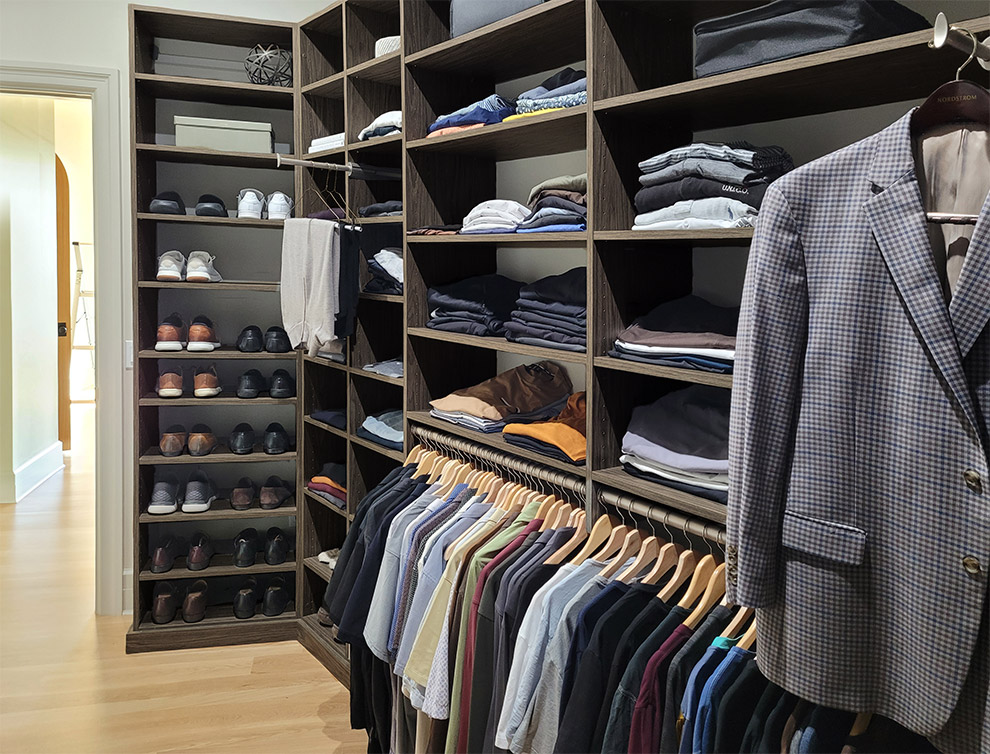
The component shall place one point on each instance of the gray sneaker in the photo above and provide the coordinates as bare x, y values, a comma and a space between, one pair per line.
200, 492
165, 496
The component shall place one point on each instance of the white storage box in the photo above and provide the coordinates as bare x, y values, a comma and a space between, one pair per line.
226, 135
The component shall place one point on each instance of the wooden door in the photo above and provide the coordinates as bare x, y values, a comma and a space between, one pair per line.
64, 303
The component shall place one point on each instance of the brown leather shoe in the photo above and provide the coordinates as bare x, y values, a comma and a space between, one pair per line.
163, 558
169, 384
171, 334
194, 605
206, 384
202, 441
201, 551
243, 494
173, 441
164, 603
202, 335
274, 493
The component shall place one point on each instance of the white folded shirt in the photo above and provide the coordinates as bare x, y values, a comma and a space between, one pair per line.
718, 482
715, 353
327, 142
385, 45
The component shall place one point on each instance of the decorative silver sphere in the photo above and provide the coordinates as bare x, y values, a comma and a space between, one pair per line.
269, 65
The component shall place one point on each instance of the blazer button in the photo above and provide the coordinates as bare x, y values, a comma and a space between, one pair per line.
973, 481
972, 565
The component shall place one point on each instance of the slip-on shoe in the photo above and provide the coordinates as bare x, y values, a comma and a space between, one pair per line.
277, 340
250, 340
283, 385
202, 441
246, 548
241, 439
251, 384
276, 439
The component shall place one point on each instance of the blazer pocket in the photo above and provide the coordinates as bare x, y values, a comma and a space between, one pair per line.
826, 539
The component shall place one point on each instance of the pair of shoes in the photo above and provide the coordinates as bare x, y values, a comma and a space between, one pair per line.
165, 602
248, 544
274, 601
253, 204
206, 384
275, 441
274, 492
200, 440
167, 495
252, 383
173, 267
172, 335
170, 203
275, 340
198, 557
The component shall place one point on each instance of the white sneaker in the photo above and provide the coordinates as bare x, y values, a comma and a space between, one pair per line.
279, 206
171, 266
250, 203
200, 268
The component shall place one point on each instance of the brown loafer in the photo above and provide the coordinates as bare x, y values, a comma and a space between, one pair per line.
169, 384
202, 441
201, 552
274, 493
164, 603
194, 605
243, 494
206, 384
202, 335
173, 441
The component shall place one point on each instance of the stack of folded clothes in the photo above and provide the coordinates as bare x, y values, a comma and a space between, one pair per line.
436, 230
384, 429
557, 205
682, 441
388, 368
527, 393
330, 484
335, 417
385, 45
383, 125
391, 208
333, 141
492, 109
707, 185
494, 216
477, 306
566, 88
562, 438
688, 332
385, 267
552, 312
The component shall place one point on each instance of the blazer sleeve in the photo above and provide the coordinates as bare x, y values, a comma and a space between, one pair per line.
766, 393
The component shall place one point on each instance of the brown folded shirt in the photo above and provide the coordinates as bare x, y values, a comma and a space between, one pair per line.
573, 196
566, 431
521, 390
641, 336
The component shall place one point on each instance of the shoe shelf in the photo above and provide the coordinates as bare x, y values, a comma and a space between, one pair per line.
230, 399
220, 510
320, 569
694, 376
333, 656
224, 352
153, 457
326, 504
226, 285
203, 156
218, 614
245, 222
220, 565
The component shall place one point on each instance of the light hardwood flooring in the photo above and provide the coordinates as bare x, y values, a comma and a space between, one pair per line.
67, 687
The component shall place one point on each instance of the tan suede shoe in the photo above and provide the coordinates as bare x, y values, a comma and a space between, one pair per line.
169, 384
173, 441
206, 384
202, 441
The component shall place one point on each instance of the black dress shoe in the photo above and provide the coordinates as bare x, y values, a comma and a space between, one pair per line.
276, 597
283, 386
168, 203
251, 383
276, 439
163, 558
250, 340
164, 602
241, 439
246, 599
245, 548
209, 205
201, 551
277, 546
277, 340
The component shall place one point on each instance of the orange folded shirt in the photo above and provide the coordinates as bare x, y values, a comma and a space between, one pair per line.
453, 130
327, 480
566, 431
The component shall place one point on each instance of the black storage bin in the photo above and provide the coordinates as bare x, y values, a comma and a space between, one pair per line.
790, 28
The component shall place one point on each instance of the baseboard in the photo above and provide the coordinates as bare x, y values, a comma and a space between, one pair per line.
36, 471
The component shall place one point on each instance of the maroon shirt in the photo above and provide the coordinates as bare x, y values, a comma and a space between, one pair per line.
644, 735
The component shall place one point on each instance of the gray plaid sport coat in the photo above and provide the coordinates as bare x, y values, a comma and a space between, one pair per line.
859, 498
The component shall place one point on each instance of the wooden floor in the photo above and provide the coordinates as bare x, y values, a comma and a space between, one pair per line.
66, 686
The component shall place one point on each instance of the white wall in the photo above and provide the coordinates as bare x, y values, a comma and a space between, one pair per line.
27, 183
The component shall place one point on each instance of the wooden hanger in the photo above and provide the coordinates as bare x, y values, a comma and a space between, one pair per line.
630, 546
714, 592
738, 622
748, 638
414, 455
612, 544
551, 514
563, 513
453, 476
426, 461
861, 723
699, 581
439, 469
648, 552
600, 533
545, 506
580, 534
685, 567
667, 559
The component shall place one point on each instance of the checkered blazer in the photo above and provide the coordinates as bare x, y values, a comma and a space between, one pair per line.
858, 459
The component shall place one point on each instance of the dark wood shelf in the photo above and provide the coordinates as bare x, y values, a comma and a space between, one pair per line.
153, 457
359, 372
567, 238
226, 285
203, 156
325, 362
218, 614
713, 237
209, 90
534, 40
325, 503
331, 86
534, 136
390, 144
220, 565
396, 455
667, 373
224, 352
325, 427
494, 440
244, 222
386, 69
499, 344
316, 639
214, 631
323, 154
392, 219
618, 479
320, 569
220, 510
227, 398
384, 297
208, 27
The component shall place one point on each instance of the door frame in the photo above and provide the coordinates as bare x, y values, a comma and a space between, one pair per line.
65, 340
112, 270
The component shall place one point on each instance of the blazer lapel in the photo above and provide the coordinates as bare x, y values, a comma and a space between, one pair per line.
970, 305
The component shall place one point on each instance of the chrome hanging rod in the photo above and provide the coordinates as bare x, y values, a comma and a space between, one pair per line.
698, 527
959, 38
281, 160
363, 172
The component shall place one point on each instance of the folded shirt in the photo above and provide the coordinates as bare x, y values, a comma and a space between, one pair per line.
713, 353
692, 421
492, 109
677, 361
491, 297
335, 500
329, 482
717, 208
388, 368
435, 230
385, 45
334, 141
650, 198
391, 261
494, 214
515, 330
566, 288
335, 473
717, 495
698, 223
564, 100
328, 489
635, 444
688, 321
334, 417
456, 129
391, 120
553, 216
706, 481
565, 432
381, 281
575, 183
516, 392
386, 425
560, 79
557, 227
538, 446
552, 307
379, 209
717, 170
553, 200
578, 198
739, 152
575, 327
530, 114
489, 426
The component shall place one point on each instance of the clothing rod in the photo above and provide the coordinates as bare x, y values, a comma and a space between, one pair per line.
958, 38
361, 172
281, 160
706, 530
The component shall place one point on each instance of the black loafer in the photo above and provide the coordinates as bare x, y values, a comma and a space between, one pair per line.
277, 340
276, 439
250, 340
276, 547
168, 203
241, 439
251, 383
246, 599
276, 597
246, 548
283, 386
211, 206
